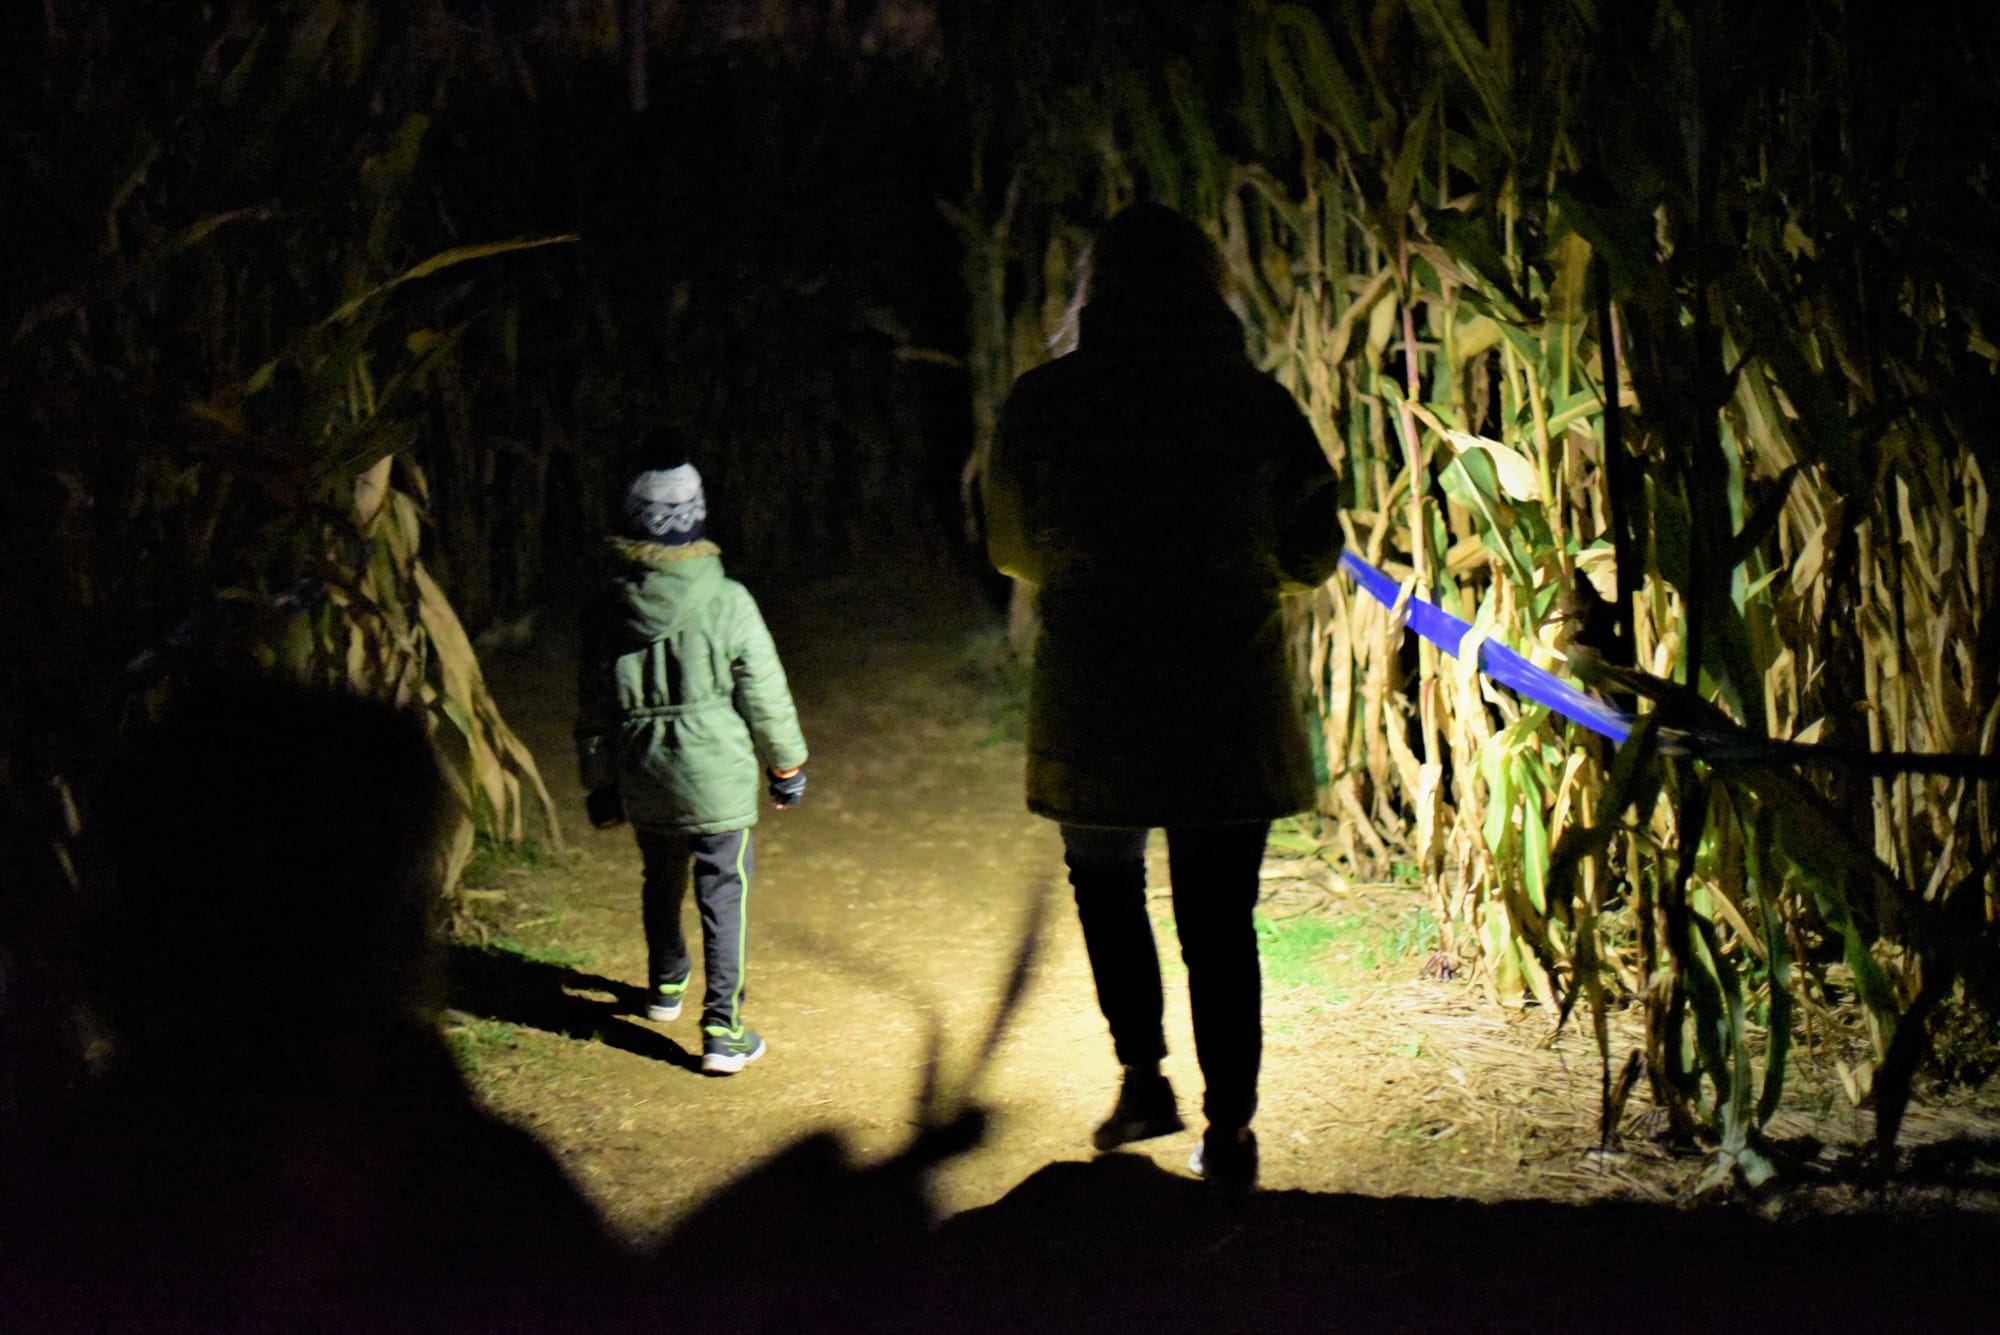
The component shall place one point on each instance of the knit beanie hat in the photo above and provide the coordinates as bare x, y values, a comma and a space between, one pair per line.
666, 505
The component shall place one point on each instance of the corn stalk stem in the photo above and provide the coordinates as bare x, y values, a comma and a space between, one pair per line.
1617, 469
1419, 547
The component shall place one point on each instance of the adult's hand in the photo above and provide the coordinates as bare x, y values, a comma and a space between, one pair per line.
787, 787
607, 810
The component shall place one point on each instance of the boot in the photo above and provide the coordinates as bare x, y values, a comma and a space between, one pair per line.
1146, 1108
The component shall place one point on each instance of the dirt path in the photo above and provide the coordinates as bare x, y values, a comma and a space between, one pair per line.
884, 912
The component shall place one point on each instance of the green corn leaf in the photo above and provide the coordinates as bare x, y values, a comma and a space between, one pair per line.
1763, 520
1470, 480
1313, 83
309, 41
1697, 967
1485, 75
1667, 508
1735, 1105
436, 263
1633, 786
1500, 793
1476, 336
1534, 841
1774, 334
1739, 683
1401, 183
1574, 408
1830, 860
1291, 841
1472, 241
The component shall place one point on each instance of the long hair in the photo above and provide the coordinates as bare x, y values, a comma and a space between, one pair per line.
1152, 269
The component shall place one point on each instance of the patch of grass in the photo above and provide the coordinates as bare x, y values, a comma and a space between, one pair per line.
1963, 1049
1329, 955
558, 956
1325, 955
1412, 933
472, 1041
1294, 950
492, 861
1295, 836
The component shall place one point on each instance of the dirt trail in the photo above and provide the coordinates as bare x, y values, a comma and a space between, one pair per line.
884, 911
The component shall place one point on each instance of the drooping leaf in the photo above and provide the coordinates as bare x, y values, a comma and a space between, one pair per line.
436, 263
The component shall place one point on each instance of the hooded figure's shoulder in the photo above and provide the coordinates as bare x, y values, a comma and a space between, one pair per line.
1039, 385
652, 588
737, 605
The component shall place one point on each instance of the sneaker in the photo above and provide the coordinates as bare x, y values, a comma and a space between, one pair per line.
1226, 1159
1146, 1108
726, 1051
663, 1003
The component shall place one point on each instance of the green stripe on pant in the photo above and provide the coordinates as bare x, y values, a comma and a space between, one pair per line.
721, 866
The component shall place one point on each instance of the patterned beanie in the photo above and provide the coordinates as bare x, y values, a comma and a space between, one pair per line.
666, 505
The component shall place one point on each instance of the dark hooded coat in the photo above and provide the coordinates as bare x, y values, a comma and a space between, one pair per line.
681, 697
1161, 494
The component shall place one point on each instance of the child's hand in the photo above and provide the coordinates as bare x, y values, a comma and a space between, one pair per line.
787, 787
606, 810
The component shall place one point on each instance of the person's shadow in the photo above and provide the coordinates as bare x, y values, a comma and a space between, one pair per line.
1118, 1243
272, 1133
497, 984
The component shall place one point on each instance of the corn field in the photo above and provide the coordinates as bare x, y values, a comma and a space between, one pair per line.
1645, 341
331, 327
216, 388
1656, 341
296, 344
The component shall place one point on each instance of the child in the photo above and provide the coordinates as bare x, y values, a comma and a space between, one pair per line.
683, 715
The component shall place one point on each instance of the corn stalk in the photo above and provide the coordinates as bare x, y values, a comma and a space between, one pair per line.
1648, 398
214, 381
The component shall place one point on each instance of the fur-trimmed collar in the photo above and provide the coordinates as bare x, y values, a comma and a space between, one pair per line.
660, 553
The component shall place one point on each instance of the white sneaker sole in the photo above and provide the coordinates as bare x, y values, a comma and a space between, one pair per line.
729, 1063
1198, 1165
662, 1014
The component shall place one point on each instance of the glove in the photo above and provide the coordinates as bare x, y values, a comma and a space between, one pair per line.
605, 808
787, 787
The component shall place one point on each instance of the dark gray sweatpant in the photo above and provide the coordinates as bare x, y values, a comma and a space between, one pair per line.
1215, 887
721, 865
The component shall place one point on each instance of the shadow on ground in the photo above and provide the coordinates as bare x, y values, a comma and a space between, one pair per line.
1119, 1244
501, 985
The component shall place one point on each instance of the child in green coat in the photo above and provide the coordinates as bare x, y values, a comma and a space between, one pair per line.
684, 720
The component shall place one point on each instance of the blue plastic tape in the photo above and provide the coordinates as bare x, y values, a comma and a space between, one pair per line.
1497, 661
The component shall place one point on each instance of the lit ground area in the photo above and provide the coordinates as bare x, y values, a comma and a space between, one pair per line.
1399, 1111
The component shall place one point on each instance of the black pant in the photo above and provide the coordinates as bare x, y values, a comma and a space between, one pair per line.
721, 864
1215, 883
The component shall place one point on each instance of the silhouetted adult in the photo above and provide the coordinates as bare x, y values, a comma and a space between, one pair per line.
279, 1136
1162, 494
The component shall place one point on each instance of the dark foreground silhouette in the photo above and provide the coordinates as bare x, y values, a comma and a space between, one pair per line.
277, 1136
1119, 1244
278, 1139
497, 984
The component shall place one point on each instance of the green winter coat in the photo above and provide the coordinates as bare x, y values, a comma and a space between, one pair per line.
682, 701
1162, 494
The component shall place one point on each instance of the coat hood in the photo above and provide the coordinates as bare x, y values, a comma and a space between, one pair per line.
658, 587
1162, 325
